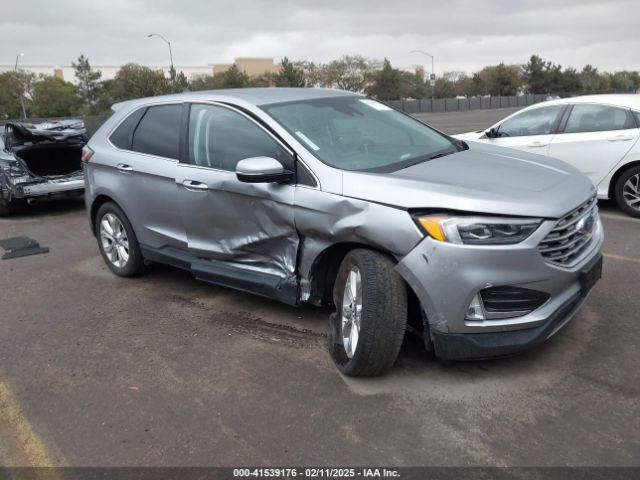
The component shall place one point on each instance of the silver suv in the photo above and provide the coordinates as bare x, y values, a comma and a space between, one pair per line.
329, 197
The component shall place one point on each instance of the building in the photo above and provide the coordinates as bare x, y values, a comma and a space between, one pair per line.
253, 67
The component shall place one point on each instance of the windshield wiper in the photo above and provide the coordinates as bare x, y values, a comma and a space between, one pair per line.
441, 154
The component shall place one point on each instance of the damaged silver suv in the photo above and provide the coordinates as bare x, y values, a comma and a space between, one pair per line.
329, 197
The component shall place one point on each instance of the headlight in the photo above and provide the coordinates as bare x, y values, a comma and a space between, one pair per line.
477, 230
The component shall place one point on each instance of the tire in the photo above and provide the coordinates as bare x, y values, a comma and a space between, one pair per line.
382, 319
5, 208
624, 191
134, 262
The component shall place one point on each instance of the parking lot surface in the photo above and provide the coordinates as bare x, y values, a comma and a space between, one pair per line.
164, 370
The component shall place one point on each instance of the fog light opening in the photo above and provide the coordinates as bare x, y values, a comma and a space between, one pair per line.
475, 311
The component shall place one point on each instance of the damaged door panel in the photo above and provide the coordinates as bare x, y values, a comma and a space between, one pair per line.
41, 161
248, 225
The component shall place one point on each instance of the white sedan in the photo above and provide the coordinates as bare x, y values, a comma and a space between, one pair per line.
597, 134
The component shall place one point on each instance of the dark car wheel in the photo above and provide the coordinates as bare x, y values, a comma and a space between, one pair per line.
627, 192
117, 241
5, 208
366, 332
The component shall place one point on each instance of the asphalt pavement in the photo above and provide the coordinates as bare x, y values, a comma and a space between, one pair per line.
97, 370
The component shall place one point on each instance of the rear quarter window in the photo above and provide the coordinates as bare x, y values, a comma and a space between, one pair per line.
158, 132
122, 137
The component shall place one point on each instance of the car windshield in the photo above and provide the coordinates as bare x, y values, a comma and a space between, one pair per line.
356, 133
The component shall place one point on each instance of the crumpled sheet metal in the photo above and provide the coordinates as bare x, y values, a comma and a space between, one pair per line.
248, 224
59, 131
325, 219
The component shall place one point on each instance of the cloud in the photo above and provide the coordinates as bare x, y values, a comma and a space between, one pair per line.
462, 34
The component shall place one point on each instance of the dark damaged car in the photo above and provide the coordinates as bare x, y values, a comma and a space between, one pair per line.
40, 162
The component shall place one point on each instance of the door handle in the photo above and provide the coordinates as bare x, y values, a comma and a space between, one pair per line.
195, 186
537, 145
620, 138
124, 167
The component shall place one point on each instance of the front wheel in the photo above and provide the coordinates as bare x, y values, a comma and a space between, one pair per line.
366, 332
627, 192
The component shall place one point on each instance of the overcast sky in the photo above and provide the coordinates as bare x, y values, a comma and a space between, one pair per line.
462, 35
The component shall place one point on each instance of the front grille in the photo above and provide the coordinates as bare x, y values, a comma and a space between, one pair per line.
571, 237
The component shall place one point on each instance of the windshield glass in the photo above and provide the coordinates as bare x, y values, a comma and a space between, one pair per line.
355, 133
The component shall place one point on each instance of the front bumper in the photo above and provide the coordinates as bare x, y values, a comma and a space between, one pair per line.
446, 277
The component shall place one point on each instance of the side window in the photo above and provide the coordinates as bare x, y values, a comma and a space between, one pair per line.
538, 121
158, 132
637, 116
123, 135
219, 138
596, 118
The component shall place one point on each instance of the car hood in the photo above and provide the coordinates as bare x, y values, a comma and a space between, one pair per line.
469, 136
482, 179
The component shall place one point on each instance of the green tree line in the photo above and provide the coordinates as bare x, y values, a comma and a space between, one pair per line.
50, 96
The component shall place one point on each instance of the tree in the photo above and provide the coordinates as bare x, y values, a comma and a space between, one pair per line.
88, 87
203, 82
53, 97
535, 74
624, 81
591, 80
267, 79
350, 72
135, 81
14, 86
419, 87
387, 83
233, 77
571, 81
313, 73
289, 75
178, 80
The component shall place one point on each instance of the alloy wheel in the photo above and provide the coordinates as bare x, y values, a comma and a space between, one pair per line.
631, 192
115, 242
351, 311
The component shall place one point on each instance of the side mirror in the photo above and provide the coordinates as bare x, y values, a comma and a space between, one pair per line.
492, 133
262, 170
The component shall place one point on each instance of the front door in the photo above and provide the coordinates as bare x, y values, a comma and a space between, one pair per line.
531, 130
245, 225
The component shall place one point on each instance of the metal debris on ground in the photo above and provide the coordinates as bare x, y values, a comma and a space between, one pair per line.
16, 247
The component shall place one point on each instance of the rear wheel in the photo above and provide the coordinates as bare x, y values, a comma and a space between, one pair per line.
366, 332
627, 192
5, 208
117, 241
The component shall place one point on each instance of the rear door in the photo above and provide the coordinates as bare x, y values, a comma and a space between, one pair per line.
595, 138
143, 173
248, 225
531, 130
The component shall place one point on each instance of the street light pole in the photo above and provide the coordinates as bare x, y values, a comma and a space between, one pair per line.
432, 71
170, 52
15, 68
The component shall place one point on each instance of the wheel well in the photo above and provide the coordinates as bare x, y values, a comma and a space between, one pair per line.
618, 174
325, 269
95, 206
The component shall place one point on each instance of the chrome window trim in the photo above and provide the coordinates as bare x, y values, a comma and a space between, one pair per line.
286, 147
